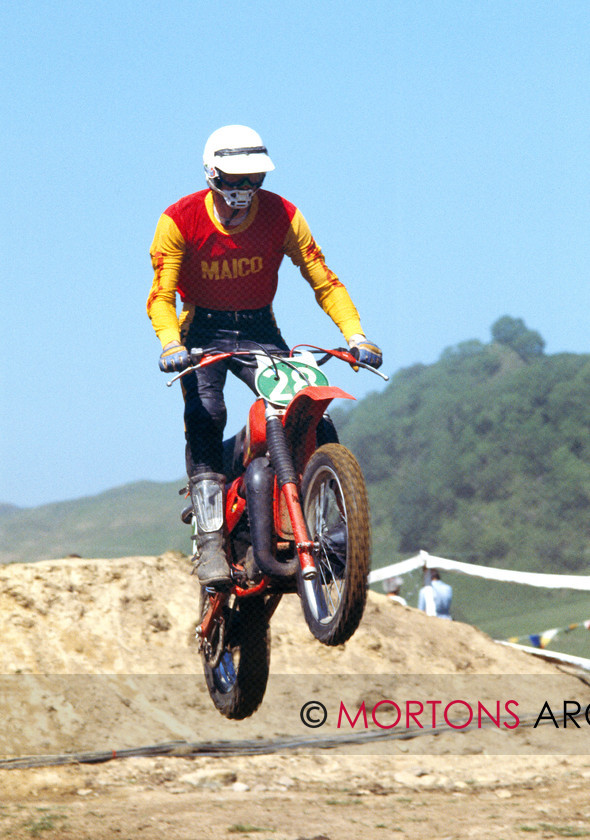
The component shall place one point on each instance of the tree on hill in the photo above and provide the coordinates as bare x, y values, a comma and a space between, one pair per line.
514, 333
480, 459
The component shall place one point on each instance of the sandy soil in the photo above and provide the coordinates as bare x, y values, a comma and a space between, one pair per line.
99, 655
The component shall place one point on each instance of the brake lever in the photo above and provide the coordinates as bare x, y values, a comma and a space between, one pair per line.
181, 374
372, 370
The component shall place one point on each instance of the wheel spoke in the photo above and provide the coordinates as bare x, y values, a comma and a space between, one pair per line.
329, 586
319, 510
328, 513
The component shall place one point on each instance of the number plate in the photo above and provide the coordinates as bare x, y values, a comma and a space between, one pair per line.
279, 384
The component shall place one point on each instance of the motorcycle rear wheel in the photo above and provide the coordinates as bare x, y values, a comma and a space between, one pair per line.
336, 510
237, 675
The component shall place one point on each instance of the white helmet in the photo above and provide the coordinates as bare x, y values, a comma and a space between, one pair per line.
236, 150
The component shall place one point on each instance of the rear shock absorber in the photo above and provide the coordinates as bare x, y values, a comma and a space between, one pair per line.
282, 463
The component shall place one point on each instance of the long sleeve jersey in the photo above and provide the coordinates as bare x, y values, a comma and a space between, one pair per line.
211, 267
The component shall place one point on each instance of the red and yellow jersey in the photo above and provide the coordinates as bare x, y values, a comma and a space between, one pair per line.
234, 269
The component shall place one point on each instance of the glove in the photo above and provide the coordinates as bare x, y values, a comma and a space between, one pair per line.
367, 352
174, 358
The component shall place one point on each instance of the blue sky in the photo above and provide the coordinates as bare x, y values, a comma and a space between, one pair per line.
439, 151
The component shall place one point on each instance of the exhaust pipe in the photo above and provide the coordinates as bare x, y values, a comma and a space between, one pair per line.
259, 482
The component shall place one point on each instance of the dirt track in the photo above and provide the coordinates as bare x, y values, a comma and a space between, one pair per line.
100, 655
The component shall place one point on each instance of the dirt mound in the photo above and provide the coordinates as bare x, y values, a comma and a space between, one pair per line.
101, 655
137, 615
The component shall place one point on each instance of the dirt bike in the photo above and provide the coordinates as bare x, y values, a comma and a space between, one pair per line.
297, 521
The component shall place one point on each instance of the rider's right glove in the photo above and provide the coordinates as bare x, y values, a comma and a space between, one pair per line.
367, 352
174, 358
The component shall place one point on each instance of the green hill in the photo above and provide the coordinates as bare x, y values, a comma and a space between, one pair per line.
8, 510
483, 457
136, 519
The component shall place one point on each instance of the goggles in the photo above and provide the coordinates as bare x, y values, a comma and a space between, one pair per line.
241, 182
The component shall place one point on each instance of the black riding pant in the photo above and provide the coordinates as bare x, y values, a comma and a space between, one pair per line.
205, 413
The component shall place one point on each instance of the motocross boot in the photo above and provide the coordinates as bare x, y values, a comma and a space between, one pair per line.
210, 557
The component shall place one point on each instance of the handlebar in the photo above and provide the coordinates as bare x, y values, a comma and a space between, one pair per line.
201, 358
343, 354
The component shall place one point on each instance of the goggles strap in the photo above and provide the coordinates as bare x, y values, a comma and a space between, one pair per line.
247, 150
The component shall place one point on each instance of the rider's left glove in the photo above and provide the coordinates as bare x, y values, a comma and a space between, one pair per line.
367, 352
174, 358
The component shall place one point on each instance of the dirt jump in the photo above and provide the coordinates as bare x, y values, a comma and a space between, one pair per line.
416, 727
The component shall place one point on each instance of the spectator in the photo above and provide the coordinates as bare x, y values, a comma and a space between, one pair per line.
392, 587
435, 596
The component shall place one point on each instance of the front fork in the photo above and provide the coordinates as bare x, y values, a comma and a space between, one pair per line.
217, 601
287, 479
303, 544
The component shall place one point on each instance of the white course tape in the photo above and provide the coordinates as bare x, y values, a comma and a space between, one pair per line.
430, 561
554, 656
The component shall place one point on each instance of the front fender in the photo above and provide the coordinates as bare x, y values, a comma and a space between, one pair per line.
302, 416
317, 393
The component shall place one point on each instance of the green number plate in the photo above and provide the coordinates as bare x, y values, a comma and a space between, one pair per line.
279, 385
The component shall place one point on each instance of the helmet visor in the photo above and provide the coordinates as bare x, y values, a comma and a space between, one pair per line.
249, 159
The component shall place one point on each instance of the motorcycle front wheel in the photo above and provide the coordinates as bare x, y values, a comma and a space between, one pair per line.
236, 657
336, 510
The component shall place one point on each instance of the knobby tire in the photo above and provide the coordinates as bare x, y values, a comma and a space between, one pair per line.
238, 683
336, 510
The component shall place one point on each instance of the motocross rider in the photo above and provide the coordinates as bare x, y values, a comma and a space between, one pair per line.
220, 249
